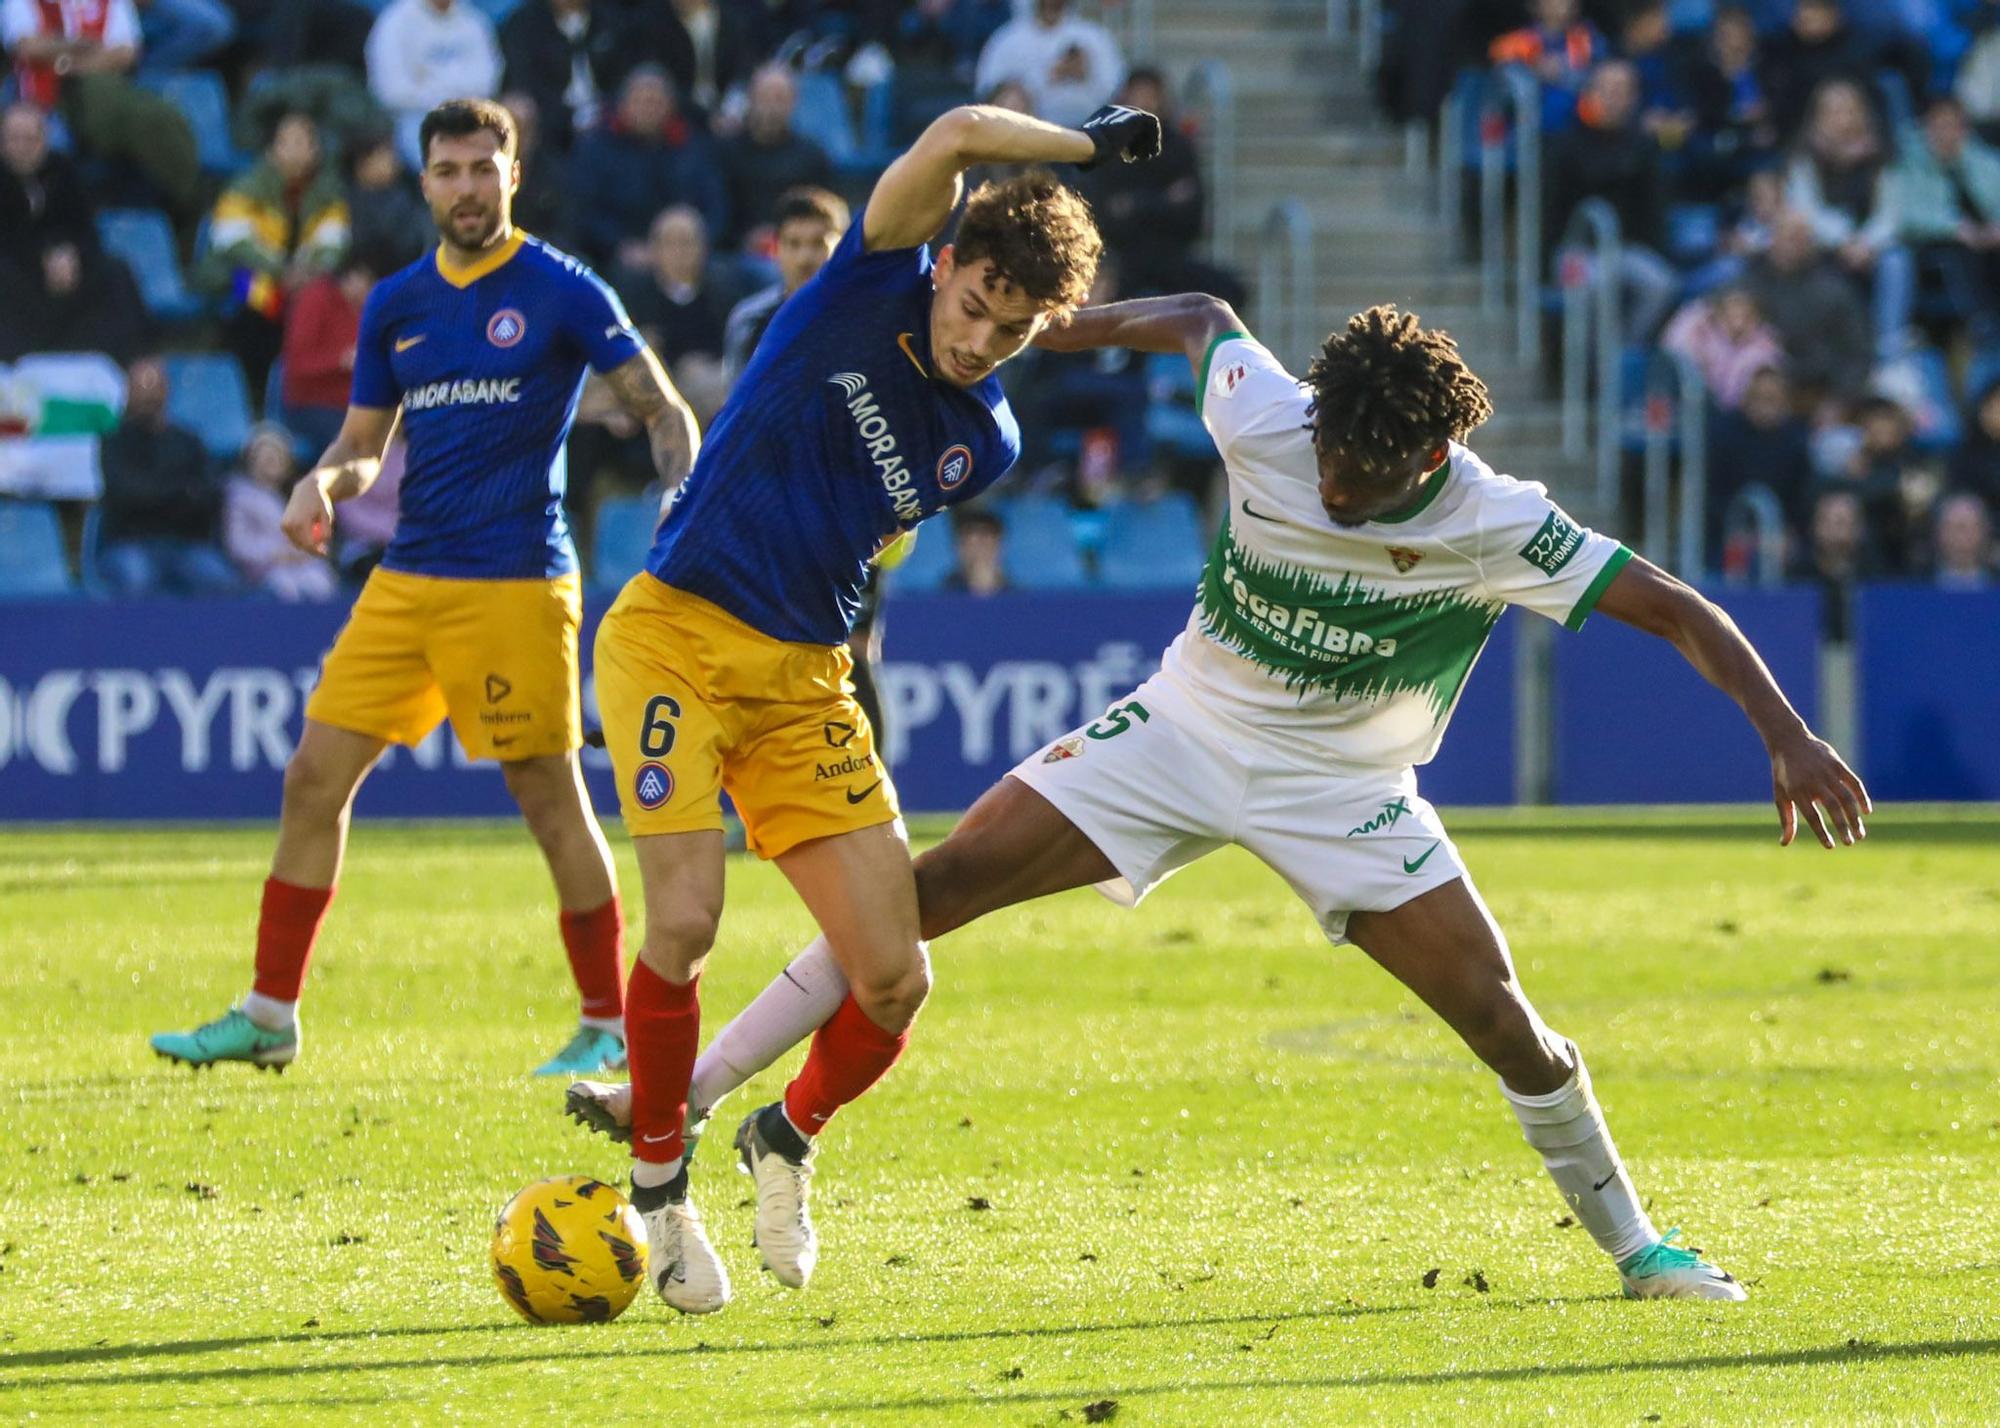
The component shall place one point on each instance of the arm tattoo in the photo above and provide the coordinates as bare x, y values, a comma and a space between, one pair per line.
647, 394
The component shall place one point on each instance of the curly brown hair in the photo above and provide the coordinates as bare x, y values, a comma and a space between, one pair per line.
1387, 389
1038, 235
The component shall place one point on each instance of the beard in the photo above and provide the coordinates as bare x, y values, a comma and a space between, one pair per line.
478, 233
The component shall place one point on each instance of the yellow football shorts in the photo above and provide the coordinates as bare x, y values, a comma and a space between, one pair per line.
499, 657
695, 701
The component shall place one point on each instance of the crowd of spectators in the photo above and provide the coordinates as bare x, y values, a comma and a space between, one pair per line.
1808, 203
670, 143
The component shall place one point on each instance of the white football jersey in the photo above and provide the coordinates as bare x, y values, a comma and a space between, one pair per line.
1350, 645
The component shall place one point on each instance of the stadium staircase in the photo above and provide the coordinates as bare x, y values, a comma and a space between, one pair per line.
1306, 128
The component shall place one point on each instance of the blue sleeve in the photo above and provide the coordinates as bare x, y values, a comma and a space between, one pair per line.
598, 322
374, 383
852, 264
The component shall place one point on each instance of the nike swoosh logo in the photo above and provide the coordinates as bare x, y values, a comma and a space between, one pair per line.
656, 1139
1422, 858
1259, 515
853, 797
1607, 1179
903, 341
404, 344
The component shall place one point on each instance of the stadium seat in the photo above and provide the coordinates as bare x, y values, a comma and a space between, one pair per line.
1152, 545
144, 241
1039, 549
931, 559
207, 394
621, 540
200, 96
1693, 232
31, 551
822, 116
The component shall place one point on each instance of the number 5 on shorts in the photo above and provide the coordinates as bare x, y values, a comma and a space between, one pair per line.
1117, 719
656, 730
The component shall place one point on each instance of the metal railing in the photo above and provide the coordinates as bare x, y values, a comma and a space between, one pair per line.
1510, 88
1592, 337
1766, 519
1451, 164
1676, 424
1360, 20
1210, 95
1285, 286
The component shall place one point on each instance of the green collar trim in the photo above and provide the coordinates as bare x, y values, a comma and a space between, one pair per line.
1435, 480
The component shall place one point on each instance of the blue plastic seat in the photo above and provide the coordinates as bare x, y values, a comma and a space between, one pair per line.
1152, 546
931, 559
622, 539
207, 394
822, 116
143, 240
32, 562
200, 96
1038, 546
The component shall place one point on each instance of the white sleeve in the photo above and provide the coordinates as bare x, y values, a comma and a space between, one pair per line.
1246, 397
121, 26
392, 62
1532, 554
999, 61
19, 21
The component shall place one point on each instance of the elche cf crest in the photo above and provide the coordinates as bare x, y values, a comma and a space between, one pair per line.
1404, 558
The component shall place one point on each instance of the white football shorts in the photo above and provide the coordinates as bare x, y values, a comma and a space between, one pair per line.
1159, 782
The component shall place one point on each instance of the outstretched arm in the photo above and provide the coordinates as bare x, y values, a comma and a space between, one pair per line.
1807, 776
1182, 322
918, 191
649, 397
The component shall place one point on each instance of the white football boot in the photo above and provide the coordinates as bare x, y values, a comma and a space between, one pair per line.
1666, 1271
784, 1235
682, 1263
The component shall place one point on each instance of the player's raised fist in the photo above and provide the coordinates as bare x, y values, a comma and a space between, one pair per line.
1118, 132
308, 518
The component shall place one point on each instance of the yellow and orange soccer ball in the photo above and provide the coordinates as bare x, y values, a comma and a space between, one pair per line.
569, 1250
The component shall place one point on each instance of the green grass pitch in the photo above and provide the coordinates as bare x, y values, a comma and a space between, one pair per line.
1190, 1163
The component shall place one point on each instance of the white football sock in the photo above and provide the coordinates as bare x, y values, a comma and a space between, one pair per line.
1567, 1127
785, 1013
613, 1024
268, 1012
646, 1174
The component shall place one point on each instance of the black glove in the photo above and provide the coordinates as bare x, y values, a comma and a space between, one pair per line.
1117, 132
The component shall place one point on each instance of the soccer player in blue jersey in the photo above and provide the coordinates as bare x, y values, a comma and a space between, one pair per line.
479, 351
870, 403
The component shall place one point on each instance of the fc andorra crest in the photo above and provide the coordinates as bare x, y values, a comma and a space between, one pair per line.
506, 327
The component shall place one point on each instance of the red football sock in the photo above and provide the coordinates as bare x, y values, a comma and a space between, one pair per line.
662, 1033
595, 941
287, 927
849, 1054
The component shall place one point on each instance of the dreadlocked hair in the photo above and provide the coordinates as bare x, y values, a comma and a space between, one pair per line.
1386, 388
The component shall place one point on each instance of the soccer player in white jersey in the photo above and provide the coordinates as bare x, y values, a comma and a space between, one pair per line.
1366, 556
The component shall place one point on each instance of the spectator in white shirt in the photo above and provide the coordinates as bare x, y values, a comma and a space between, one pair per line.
1070, 66
423, 52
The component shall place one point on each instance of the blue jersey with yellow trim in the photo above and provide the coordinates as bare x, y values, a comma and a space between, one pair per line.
487, 362
835, 438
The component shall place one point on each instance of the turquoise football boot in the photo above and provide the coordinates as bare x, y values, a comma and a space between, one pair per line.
230, 1037
591, 1049
1666, 1271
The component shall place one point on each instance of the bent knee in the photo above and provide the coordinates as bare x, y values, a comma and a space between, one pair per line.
892, 1000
